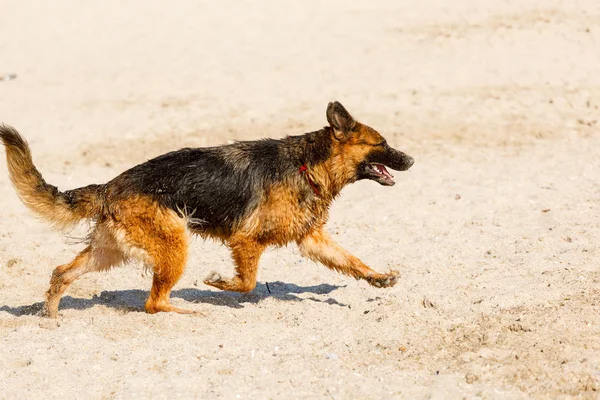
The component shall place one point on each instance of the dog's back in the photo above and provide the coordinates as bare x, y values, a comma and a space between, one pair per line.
216, 188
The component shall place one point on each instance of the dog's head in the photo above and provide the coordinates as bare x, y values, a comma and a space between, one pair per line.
364, 153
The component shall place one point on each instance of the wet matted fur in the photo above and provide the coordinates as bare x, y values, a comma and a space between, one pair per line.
250, 195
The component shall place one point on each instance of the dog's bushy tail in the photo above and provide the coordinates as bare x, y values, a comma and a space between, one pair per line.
61, 209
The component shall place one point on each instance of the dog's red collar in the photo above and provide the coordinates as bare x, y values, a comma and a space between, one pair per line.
304, 169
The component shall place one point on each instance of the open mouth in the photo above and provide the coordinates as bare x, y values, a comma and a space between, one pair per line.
381, 174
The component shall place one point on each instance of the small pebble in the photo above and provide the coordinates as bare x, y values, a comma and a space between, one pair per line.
470, 378
8, 77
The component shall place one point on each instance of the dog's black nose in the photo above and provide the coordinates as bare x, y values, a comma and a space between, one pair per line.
409, 161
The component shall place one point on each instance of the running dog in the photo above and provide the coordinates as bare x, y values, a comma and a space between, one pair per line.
250, 195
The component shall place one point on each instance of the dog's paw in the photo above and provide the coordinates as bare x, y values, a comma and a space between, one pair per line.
46, 312
213, 278
384, 280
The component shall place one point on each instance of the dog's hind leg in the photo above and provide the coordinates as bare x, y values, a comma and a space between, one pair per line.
93, 258
169, 264
246, 254
319, 246
62, 277
158, 237
166, 249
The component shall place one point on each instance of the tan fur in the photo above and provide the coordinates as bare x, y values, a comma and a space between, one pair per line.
43, 199
320, 247
246, 252
280, 218
142, 230
159, 237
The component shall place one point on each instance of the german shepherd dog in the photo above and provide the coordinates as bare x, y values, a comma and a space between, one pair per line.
250, 195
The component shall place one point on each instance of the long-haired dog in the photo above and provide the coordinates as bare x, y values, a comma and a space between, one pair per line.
250, 195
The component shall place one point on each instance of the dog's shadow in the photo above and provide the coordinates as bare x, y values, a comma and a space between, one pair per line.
134, 300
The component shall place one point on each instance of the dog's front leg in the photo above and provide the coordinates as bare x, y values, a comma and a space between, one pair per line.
246, 252
319, 246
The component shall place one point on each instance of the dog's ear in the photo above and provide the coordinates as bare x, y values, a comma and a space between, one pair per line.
340, 120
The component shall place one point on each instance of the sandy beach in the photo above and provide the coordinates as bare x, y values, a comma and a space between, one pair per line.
495, 229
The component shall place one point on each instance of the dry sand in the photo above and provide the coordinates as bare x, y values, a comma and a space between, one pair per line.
495, 229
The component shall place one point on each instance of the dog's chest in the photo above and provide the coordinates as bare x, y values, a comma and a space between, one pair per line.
286, 215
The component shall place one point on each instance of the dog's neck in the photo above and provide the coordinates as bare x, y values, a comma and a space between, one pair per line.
323, 168
328, 181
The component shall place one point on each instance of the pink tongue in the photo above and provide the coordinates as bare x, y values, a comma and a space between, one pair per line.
385, 171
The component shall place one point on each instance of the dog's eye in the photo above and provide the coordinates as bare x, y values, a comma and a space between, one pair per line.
381, 144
